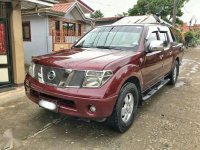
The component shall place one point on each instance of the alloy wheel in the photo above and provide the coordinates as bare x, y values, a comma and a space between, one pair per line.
127, 108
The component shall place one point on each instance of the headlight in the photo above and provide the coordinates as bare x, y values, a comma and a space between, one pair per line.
94, 79
31, 70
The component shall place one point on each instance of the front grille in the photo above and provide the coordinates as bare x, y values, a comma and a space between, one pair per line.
77, 78
58, 76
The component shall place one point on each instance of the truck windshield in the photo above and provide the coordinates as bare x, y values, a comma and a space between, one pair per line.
112, 37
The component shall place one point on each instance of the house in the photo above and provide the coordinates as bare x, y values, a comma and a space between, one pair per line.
11, 44
52, 29
84, 7
187, 28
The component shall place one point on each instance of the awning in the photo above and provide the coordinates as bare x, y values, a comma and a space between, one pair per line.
30, 4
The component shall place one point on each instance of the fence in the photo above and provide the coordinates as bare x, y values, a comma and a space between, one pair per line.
63, 40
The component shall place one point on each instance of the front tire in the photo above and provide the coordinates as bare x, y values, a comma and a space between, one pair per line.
125, 108
174, 74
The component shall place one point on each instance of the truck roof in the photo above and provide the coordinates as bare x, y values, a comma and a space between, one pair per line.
136, 24
145, 19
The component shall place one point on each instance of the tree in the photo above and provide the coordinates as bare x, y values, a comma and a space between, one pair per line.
123, 14
163, 8
97, 14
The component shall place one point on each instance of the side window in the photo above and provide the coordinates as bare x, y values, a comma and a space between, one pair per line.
26, 29
152, 37
164, 37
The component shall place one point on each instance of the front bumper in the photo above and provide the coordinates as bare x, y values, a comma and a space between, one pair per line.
71, 101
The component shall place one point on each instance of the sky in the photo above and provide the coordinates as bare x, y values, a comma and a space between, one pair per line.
113, 7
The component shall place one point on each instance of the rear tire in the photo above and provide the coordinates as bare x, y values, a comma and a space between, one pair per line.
174, 74
125, 108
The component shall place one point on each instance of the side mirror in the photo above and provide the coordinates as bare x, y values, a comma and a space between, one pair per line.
156, 46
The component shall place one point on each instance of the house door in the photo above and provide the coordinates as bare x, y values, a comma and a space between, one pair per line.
5, 57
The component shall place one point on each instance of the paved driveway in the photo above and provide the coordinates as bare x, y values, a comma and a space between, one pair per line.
171, 120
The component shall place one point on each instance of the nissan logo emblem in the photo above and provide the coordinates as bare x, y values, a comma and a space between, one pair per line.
51, 75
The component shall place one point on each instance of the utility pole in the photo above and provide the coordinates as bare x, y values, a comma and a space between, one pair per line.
175, 12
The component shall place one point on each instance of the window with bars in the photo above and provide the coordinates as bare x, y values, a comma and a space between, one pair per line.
26, 28
69, 29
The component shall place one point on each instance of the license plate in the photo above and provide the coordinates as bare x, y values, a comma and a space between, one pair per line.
48, 105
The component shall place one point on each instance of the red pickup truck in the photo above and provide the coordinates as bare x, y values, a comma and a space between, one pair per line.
107, 74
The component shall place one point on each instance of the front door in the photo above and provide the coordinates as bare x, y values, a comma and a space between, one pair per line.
152, 67
5, 65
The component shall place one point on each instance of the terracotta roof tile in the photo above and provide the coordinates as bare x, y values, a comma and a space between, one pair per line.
84, 4
63, 7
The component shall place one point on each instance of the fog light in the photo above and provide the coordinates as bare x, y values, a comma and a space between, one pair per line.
92, 108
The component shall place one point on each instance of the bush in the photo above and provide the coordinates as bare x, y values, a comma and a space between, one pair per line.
189, 37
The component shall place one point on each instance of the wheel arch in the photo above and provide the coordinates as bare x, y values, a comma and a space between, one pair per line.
135, 80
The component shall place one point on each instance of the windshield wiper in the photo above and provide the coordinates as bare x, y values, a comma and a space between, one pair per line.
80, 46
115, 48
108, 47
103, 47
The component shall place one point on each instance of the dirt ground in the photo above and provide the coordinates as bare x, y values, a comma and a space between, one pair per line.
170, 120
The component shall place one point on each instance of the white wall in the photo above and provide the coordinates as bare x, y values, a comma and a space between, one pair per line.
69, 16
88, 27
74, 15
41, 42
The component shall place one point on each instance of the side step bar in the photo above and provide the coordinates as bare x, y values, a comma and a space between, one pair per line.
155, 89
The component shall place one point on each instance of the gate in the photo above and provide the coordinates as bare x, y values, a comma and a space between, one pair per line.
5, 53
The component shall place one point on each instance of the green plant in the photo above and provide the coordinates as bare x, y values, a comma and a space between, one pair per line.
163, 8
97, 14
189, 37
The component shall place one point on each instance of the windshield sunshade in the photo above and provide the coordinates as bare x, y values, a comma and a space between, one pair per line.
109, 37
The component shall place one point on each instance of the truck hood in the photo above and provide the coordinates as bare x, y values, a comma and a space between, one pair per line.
82, 59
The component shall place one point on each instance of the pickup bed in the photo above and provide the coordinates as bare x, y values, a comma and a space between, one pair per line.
107, 74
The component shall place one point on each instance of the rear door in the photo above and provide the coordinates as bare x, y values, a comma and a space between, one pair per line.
152, 66
164, 35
